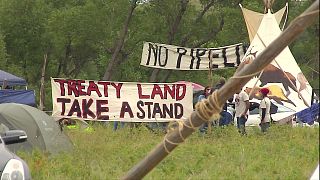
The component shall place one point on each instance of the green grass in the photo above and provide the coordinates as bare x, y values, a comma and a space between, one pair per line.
283, 153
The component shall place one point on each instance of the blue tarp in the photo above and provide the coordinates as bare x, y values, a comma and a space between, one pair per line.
310, 114
18, 96
11, 79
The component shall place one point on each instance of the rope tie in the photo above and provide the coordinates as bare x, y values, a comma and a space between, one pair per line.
209, 108
166, 140
205, 110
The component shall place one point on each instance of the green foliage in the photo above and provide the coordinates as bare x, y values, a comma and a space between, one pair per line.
79, 36
223, 154
3, 52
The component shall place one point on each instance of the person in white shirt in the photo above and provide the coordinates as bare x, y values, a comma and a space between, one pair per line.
242, 110
264, 110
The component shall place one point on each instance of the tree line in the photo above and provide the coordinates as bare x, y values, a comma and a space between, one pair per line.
102, 40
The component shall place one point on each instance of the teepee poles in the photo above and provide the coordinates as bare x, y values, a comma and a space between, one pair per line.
213, 104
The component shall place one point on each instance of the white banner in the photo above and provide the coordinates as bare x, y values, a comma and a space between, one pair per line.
180, 58
120, 101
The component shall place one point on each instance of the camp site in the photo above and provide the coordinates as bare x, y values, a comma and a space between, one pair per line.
159, 89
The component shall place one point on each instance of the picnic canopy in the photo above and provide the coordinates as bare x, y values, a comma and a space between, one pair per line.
11, 79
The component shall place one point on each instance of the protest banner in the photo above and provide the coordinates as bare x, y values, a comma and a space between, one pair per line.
165, 56
121, 101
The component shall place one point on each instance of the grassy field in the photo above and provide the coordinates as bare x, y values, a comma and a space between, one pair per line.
283, 153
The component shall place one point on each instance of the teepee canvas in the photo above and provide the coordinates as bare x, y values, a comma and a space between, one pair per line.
283, 77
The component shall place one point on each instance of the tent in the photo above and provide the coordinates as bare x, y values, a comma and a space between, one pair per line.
42, 131
283, 77
18, 96
195, 86
10, 95
11, 79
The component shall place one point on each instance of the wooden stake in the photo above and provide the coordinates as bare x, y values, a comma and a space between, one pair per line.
241, 77
42, 90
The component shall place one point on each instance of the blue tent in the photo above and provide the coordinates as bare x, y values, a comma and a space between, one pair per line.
18, 96
310, 114
11, 79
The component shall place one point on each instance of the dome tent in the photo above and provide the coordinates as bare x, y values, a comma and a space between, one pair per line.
42, 131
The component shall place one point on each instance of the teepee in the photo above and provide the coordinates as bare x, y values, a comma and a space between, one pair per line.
283, 77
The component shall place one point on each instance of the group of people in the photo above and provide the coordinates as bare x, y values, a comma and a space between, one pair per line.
242, 105
225, 116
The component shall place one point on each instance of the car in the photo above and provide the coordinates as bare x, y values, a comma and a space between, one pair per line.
279, 114
12, 167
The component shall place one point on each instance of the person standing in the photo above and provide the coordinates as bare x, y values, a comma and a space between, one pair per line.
225, 116
242, 110
203, 96
116, 123
264, 110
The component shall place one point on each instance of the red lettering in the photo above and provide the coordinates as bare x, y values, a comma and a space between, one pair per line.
61, 83
118, 88
183, 89
168, 90
142, 96
81, 87
72, 88
105, 87
156, 91
93, 87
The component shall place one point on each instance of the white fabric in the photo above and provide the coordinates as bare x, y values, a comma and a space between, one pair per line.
121, 101
265, 103
264, 35
240, 103
315, 175
279, 15
253, 20
165, 56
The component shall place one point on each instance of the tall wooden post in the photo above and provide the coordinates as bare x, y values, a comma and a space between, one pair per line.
244, 73
42, 81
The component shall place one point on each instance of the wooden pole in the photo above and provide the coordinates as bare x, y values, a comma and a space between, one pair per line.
241, 77
42, 90
294, 86
211, 85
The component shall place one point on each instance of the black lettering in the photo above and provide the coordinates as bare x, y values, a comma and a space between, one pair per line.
86, 108
156, 109
63, 101
168, 111
125, 108
153, 49
142, 114
199, 53
192, 59
101, 109
178, 106
159, 57
225, 60
75, 108
149, 108
181, 51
